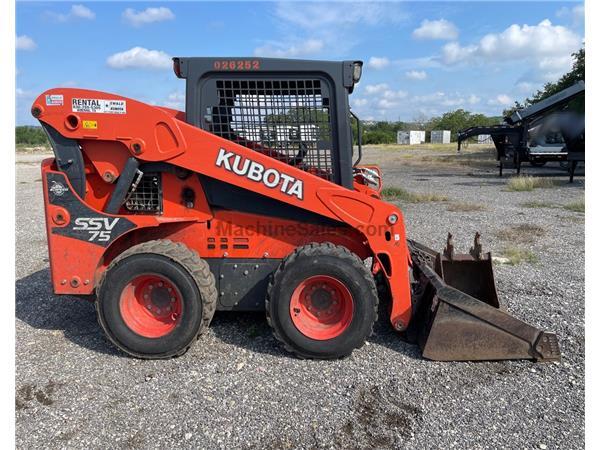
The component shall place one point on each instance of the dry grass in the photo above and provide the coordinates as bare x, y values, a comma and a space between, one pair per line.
399, 194
536, 204
465, 207
522, 233
516, 255
578, 206
528, 183
431, 155
24, 148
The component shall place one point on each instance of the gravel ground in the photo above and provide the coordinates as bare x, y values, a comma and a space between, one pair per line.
236, 388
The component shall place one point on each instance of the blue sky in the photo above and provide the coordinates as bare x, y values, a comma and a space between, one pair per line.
421, 58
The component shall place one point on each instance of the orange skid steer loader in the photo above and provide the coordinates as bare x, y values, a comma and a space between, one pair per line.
252, 199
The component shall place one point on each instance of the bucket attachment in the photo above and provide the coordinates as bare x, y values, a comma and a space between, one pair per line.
457, 315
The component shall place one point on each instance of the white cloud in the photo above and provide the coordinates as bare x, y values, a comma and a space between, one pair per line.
175, 100
526, 87
548, 46
436, 29
82, 12
376, 88
391, 99
378, 63
502, 100
76, 12
320, 16
149, 15
416, 74
23, 94
359, 101
140, 58
290, 50
24, 42
384, 103
575, 14
473, 99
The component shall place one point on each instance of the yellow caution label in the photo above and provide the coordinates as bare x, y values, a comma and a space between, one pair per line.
90, 124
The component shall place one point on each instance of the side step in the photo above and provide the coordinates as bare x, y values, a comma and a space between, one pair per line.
456, 315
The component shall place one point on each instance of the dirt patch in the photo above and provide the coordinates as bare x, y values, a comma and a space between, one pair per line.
465, 207
523, 233
380, 420
29, 392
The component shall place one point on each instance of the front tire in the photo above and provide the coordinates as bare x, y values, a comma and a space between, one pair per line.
322, 302
155, 299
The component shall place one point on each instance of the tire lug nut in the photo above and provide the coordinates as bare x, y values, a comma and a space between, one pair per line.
160, 284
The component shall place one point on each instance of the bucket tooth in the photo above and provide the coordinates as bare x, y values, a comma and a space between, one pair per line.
449, 250
456, 312
476, 251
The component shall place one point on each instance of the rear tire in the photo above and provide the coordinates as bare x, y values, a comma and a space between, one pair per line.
322, 302
155, 299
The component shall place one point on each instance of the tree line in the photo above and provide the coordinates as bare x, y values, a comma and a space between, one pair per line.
29, 135
386, 132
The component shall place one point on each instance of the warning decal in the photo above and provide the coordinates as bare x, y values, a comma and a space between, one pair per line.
96, 105
54, 99
90, 124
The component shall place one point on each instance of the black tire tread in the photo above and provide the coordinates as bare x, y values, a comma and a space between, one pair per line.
197, 267
319, 249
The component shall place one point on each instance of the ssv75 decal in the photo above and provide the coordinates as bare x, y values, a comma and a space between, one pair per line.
86, 224
99, 228
255, 171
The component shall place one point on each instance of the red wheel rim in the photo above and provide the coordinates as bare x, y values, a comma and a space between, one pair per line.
321, 307
151, 305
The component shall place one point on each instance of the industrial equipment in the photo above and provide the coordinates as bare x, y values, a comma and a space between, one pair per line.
545, 131
252, 199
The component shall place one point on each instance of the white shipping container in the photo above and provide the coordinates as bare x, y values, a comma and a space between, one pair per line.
412, 137
484, 139
440, 137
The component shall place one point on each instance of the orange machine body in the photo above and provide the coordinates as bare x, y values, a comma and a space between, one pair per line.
83, 238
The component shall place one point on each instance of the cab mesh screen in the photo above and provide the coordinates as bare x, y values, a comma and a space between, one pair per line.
286, 119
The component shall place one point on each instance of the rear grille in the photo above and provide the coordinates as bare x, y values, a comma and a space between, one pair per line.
287, 119
146, 196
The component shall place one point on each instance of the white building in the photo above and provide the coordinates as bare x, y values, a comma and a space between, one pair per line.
410, 137
484, 139
440, 137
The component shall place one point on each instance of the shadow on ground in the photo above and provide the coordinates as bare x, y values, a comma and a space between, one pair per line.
40, 308
36, 305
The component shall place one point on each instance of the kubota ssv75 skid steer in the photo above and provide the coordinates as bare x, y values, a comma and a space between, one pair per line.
252, 199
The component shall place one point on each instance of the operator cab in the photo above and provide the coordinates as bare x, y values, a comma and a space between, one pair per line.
295, 111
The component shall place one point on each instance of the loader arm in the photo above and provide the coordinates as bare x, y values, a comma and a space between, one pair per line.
156, 135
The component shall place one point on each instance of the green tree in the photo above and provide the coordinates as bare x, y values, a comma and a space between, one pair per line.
28, 135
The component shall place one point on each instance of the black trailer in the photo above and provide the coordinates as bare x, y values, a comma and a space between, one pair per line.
523, 137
